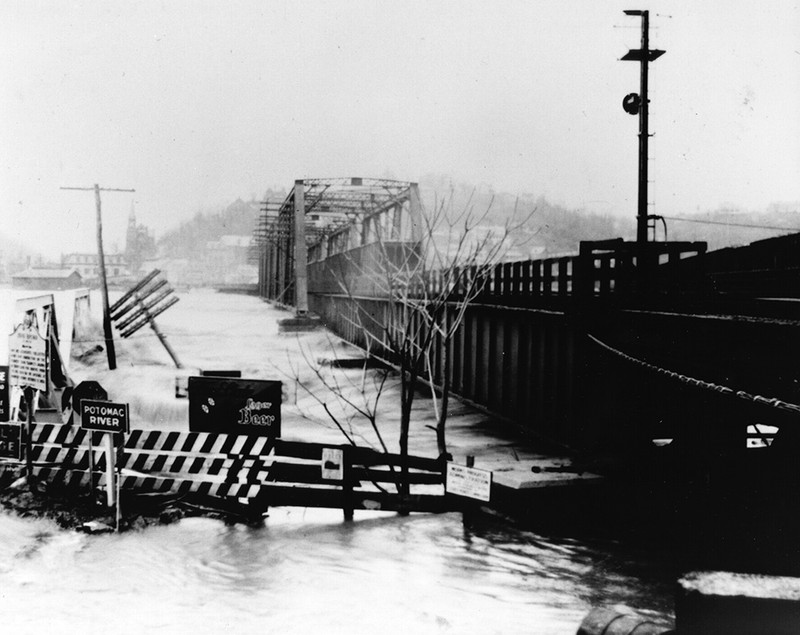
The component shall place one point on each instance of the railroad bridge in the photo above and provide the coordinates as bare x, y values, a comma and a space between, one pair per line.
619, 348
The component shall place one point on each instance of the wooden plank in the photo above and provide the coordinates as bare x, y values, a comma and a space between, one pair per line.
361, 455
279, 496
139, 285
216, 469
198, 442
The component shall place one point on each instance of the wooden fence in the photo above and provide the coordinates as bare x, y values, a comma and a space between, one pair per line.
255, 472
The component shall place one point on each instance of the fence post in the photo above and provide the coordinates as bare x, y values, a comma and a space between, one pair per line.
108, 444
29, 393
563, 276
347, 484
547, 277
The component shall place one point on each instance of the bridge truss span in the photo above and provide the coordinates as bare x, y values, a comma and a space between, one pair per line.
323, 220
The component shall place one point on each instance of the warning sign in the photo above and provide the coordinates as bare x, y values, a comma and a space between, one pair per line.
10, 446
4, 399
27, 358
332, 464
469, 482
104, 416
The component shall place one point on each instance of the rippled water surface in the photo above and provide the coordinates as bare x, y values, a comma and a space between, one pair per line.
304, 571
307, 571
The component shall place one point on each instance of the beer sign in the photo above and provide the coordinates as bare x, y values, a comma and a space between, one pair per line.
235, 406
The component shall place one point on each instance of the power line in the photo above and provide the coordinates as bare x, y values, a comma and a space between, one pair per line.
727, 224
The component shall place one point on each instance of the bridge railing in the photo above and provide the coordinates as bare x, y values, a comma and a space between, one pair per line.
519, 350
602, 269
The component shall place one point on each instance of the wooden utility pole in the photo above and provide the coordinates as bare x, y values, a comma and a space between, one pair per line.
107, 332
300, 250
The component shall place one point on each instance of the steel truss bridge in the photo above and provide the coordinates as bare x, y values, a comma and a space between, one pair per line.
620, 349
333, 216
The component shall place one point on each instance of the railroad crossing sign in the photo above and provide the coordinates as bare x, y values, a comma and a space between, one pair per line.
28, 358
140, 306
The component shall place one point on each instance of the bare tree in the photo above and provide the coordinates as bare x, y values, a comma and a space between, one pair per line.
425, 289
346, 397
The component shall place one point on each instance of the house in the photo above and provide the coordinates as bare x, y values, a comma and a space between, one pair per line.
47, 279
86, 265
226, 261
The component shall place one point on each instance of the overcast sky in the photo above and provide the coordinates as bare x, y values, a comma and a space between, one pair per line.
196, 103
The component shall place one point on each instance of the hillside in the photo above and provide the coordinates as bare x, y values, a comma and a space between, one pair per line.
211, 249
546, 228
551, 229
730, 228
189, 239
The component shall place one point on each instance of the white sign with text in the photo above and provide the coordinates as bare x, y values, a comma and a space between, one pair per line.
332, 464
469, 482
27, 358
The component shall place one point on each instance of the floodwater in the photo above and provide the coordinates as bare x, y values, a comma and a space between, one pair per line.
307, 571
303, 571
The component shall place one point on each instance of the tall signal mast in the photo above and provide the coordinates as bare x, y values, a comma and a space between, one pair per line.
639, 104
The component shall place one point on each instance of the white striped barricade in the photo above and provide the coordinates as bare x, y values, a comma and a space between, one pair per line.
156, 461
248, 473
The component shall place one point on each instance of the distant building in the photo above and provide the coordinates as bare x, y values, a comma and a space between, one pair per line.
47, 279
226, 261
86, 264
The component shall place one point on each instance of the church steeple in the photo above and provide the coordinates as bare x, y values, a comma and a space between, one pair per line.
131, 238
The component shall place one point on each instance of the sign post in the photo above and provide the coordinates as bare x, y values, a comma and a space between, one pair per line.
28, 369
109, 418
28, 392
86, 390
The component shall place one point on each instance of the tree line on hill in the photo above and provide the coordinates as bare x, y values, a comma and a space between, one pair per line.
550, 228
